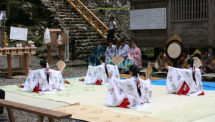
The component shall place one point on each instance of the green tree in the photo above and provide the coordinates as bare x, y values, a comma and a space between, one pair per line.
8, 7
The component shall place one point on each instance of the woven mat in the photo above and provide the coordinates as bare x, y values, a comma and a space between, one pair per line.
19, 77
75, 88
94, 114
164, 106
142, 77
209, 75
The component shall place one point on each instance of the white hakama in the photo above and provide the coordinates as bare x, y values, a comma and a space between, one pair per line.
124, 93
180, 81
97, 74
38, 79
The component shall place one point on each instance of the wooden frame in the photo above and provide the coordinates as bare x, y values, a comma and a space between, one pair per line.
189, 10
26, 52
41, 112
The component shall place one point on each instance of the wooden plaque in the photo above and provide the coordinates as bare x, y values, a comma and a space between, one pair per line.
54, 39
64, 38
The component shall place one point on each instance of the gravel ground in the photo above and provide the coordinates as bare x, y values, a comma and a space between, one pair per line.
68, 72
79, 68
74, 69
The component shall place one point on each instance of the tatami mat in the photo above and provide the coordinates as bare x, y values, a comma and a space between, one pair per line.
164, 106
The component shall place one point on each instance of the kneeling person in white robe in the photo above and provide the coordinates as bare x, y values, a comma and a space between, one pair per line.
44, 80
98, 75
185, 81
129, 93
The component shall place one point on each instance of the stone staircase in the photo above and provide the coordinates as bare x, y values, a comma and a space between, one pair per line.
84, 33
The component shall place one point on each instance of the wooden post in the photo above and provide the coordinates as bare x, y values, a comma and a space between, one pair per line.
103, 30
26, 63
10, 114
60, 48
49, 54
76, 4
90, 17
211, 27
96, 25
9, 62
51, 120
40, 118
83, 11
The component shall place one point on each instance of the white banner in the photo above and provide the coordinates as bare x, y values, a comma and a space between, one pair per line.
18, 33
67, 53
148, 19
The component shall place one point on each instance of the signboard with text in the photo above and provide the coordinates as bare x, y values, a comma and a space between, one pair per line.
18, 33
146, 19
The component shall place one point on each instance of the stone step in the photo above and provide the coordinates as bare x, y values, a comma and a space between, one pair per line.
81, 38
73, 19
66, 14
86, 31
86, 36
93, 41
84, 41
79, 23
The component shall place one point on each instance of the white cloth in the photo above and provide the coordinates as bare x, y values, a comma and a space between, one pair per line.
56, 82
176, 77
112, 25
118, 90
47, 37
2, 15
59, 40
95, 73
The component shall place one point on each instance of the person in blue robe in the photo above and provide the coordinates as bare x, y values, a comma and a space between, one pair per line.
97, 52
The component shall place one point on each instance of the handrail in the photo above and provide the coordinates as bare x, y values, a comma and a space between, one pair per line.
89, 16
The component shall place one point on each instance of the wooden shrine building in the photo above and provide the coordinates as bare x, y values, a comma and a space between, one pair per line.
153, 22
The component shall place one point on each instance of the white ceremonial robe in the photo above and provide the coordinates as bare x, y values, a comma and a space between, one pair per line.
177, 77
95, 73
35, 77
119, 90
